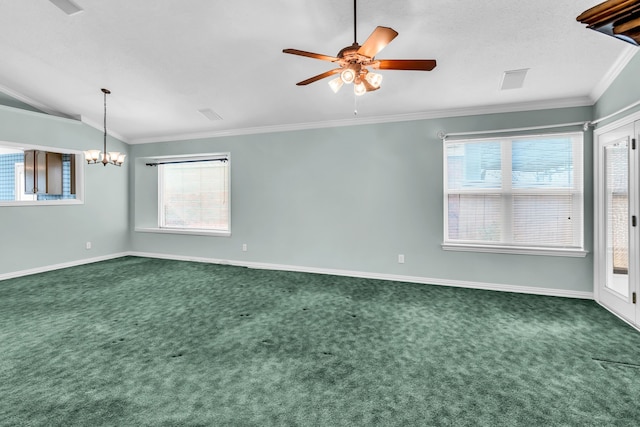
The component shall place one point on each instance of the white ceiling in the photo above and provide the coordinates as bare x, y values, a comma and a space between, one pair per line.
164, 60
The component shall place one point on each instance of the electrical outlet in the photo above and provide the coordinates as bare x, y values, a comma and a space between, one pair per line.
244, 247
401, 259
88, 245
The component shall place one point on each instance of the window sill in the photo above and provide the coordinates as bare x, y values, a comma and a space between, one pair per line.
41, 202
183, 231
517, 250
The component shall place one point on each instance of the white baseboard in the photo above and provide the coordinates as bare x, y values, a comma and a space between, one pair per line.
46, 268
379, 276
303, 269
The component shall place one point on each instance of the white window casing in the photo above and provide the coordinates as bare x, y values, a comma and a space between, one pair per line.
193, 195
522, 195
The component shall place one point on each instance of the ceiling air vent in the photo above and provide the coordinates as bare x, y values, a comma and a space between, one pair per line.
210, 114
513, 79
67, 6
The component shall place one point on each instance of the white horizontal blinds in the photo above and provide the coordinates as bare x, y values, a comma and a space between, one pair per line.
617, 204
524, 191
195, 194
543, 220
547, 191
474, 217
474, 199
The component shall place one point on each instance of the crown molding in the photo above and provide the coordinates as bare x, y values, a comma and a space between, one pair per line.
426, 115
35, 104
614, 71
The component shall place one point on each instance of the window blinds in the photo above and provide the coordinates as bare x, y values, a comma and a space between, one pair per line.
194, 194
523, 191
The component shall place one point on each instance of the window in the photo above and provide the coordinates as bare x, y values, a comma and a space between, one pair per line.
194, 194
517, 194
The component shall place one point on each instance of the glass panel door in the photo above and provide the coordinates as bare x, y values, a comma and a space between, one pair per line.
616, 201
616, 238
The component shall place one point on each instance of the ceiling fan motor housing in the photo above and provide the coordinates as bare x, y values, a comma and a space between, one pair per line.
353, 63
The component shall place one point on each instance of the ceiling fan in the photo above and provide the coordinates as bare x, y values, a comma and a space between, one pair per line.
355, 60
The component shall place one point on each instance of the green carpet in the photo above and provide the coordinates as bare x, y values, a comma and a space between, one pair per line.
144, 342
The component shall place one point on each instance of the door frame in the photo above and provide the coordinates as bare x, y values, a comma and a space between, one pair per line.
599, 258
20, 193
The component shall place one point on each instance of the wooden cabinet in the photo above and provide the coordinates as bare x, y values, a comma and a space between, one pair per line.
43, 172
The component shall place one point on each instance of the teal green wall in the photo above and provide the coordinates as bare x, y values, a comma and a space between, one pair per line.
624, 91
33, 237
353, 198
347, 198
9, 101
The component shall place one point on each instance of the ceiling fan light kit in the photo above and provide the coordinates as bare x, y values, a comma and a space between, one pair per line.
354, 60
336, 84
348, 75
363, 80
374, 79
359, 89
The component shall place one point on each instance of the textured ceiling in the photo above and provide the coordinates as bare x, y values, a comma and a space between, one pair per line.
165, 60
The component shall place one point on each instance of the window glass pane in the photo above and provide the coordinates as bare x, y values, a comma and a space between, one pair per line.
474, 165
544, 220
195, 195
542, 163
540, 204
8, 179
617, 206
474, 217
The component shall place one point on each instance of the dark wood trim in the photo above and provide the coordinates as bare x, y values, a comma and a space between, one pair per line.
615, 18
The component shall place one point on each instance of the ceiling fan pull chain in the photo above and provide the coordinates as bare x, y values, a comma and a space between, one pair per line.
355, 105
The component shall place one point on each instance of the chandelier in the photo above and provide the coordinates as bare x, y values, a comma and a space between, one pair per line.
104, 157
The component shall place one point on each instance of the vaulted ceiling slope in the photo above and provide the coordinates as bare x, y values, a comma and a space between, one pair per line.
166, 60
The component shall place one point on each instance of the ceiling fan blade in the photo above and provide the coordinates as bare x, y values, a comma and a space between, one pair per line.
379, 38
405, 64
311, 55
319, 77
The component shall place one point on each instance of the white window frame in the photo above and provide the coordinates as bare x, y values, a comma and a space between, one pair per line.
19, 184
189, 231
576, 250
